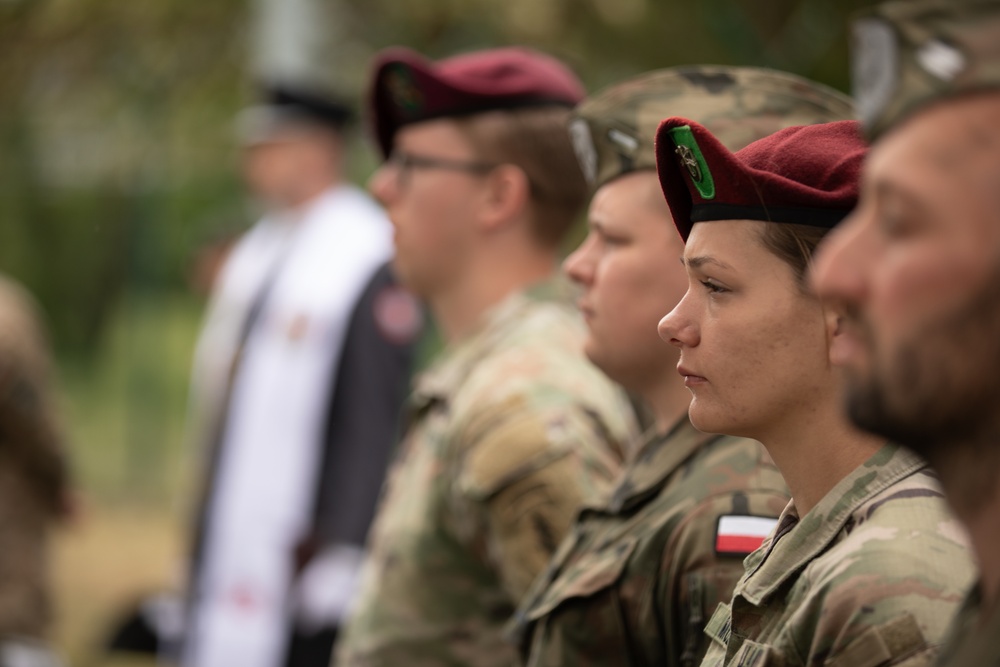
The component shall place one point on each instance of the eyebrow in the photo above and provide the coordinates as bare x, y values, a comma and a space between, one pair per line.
700, 260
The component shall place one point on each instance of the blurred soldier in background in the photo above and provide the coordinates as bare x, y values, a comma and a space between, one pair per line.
917, 268
511, 429
34, 484
639, 577
299, 377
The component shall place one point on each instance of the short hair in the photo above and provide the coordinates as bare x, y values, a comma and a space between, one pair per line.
537, 140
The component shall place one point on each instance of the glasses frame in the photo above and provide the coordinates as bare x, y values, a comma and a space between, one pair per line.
405, 162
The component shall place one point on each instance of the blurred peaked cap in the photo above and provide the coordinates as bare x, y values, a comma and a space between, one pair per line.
613, 131
283, 105
408, 88
806, 175
909, 53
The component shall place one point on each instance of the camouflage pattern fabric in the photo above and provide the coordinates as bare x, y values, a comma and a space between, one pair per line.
912, 52
613, 131
638, 578
870, 577
509, 435
33, 473
972, 641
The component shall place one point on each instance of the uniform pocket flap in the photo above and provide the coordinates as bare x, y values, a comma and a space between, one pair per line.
586, 576
882, 644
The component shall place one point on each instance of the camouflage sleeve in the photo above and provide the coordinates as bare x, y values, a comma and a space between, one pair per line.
29, 431
864, 614
696, 579
524, 481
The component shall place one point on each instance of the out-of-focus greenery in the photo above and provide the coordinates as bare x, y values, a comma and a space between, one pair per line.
116, 153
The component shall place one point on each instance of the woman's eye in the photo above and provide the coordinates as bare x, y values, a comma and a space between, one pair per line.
713, 286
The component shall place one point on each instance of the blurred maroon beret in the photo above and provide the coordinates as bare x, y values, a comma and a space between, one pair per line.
807, 175
408, 88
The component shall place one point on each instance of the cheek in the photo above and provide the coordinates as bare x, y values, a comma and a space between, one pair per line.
917, 286
635, 291
772, 357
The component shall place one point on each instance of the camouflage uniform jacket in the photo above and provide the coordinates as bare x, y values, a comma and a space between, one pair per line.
871, 576
32, 468
637, 579
509, 434
973, 641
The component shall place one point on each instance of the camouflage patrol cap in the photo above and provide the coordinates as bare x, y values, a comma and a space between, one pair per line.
909, 53
613, 131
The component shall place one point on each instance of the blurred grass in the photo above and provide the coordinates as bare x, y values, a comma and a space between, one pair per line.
125, 411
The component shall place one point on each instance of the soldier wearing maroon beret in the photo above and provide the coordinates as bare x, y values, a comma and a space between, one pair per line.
866, 565
510, 428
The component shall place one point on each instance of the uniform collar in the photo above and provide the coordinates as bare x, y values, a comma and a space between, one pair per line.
456, 361
659, 456
796, 542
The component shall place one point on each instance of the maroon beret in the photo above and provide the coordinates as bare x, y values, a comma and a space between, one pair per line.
807, 175
408, 88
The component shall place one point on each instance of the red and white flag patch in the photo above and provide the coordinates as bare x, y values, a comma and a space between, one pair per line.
740, 535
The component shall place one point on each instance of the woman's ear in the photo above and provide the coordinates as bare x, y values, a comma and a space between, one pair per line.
506, 196
834, 327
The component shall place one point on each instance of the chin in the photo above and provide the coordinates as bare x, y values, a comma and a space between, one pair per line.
708, 419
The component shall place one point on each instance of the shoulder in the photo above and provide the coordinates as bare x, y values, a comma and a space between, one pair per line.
732, 497
538, 362
533, 400
729, 464
349, 199
900, 556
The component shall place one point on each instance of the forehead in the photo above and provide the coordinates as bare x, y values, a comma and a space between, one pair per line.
440, 132
632, 196
732, 242
950, 151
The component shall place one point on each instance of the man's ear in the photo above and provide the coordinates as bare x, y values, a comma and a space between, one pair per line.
506, 197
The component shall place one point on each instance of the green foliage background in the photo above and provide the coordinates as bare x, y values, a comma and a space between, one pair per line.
117, 159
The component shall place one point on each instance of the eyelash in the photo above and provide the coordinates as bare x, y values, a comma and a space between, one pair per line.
713, 287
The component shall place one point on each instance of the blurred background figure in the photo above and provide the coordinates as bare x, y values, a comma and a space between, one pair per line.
34, 484
509, 428
299, 376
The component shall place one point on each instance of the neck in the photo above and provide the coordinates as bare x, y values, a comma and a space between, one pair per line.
459, 310
815, 450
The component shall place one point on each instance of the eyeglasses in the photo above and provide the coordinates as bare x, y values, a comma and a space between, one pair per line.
404, 163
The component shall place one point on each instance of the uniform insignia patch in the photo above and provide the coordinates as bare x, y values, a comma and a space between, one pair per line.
741, 535
874, 67
397, 315
583, 146
940, 59
691, 158
403, 90
626, 142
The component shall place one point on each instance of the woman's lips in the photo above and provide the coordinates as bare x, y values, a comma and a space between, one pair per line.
690, 378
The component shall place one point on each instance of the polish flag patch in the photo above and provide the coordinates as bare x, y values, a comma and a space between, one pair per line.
740, 535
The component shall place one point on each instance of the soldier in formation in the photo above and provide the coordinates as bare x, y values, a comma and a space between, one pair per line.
510, 429
639, 576
916, 269
865, 565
